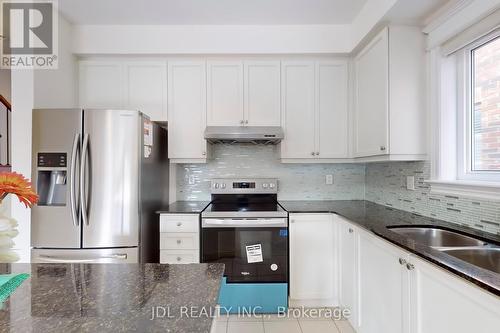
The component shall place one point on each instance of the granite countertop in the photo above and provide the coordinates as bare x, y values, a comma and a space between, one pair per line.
376, 218
112, 298
184, 207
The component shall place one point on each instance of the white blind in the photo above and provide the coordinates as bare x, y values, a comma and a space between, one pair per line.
487, 25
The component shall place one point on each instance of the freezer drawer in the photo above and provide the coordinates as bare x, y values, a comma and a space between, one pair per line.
117, 255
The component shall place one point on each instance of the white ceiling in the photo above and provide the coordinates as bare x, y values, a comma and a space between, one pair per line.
210, 12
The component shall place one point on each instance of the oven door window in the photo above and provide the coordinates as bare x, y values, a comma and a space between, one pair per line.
228, 246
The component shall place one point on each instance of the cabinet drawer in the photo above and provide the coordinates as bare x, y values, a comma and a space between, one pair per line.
179, 223
179, 256
179, 240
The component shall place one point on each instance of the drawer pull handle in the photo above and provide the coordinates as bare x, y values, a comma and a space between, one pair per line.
179, 224
179, 241
179, 258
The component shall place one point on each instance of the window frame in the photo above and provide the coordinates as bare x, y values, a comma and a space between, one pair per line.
465, 108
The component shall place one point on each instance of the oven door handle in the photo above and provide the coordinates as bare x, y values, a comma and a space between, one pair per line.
244, 223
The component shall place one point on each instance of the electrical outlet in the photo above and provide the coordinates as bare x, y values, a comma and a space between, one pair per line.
191, 180
410, 183
329, 179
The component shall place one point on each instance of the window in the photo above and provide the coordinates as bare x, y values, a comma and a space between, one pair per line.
479, 99
485, 107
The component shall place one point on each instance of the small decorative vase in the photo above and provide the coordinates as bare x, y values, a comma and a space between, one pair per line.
8, 230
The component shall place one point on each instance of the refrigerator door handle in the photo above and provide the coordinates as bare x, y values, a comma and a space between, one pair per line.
72, 197
83, 197
118, 256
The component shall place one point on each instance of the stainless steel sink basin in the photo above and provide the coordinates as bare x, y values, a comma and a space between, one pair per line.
437, 238
486, 257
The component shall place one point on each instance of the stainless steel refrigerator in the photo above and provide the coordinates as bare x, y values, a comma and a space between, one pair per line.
100, 176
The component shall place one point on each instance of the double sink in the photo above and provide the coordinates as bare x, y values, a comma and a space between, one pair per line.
463, 247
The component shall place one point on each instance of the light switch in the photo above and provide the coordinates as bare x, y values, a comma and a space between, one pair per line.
329, 179
410, 183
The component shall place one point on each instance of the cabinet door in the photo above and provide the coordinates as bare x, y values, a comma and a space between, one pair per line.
331, 109
225, 93
187, 109
146, 88
382, 286
442, 302
297, 93
348, 263
262, 93
312, 258
371, 118
101, 84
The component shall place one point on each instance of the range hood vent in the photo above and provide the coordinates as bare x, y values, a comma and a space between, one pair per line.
244, 134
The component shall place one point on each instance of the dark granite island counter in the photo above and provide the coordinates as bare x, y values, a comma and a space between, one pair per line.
112, 298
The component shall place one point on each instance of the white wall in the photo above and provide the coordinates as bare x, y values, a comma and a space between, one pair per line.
5, 83
214, 39
36, 89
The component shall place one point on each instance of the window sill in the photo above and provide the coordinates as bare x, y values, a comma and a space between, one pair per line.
471, 189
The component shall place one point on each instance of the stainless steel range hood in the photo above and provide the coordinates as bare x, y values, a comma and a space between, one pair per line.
244, 134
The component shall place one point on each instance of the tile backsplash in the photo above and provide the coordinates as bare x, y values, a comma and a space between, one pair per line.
296, 181
386, 185
382, 183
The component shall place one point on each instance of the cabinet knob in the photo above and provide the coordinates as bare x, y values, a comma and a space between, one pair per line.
242, 122
382, 148
317, 153
204, 153
351, 231
179, 224
246, 122
179, 241
179, 258
313, 153
410, 266
402, 261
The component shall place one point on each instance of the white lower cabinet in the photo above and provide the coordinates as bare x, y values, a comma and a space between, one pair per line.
442, 302
313, 260
382, 286
348, 236
395, 291
179, 239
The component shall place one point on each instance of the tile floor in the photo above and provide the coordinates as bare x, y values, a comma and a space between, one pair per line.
274, 324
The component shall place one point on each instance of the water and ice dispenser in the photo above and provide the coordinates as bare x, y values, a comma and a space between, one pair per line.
52, 184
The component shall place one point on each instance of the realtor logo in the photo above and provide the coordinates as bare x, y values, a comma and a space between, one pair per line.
29, 35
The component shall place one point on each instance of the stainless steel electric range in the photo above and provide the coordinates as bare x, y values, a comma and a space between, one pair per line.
245, 228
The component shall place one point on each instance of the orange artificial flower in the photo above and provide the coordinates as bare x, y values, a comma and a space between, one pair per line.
15, 183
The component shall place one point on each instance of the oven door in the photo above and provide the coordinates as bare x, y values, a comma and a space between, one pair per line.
253, 250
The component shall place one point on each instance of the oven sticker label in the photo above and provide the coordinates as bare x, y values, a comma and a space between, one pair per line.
254, 253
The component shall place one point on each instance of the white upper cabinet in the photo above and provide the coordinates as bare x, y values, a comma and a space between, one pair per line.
389, 98
187, 110
146, 88
297, 93
332, 113
262, 93
372, 88
225, 93
139, 85
315, 109
101, 84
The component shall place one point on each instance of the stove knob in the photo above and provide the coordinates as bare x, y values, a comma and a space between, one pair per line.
216, 185
223, 185
264, 185
272, 185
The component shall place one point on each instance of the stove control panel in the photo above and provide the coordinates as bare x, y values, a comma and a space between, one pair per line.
256, 186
